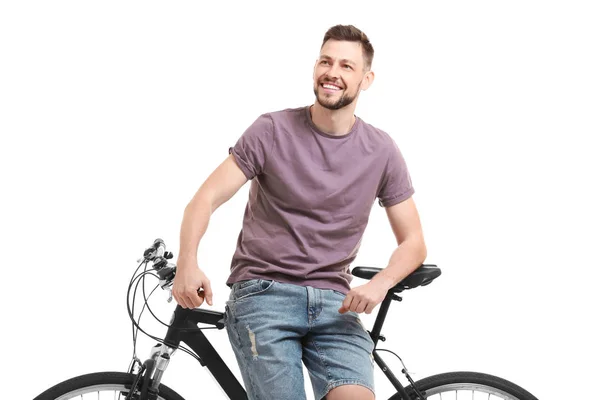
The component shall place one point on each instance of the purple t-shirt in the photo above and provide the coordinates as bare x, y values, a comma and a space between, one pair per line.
311, 194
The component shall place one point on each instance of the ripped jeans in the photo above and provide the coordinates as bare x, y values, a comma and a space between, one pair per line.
275, 327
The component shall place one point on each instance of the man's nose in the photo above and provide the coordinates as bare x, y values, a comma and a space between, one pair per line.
333, 72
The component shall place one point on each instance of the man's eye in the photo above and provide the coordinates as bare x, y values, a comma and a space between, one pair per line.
347, 66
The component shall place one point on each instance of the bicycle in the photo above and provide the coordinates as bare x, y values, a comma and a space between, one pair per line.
142, 381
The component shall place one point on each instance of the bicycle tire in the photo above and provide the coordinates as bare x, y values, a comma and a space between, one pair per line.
434, 385
90, 383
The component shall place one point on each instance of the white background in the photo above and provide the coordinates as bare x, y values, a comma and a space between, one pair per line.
112, 114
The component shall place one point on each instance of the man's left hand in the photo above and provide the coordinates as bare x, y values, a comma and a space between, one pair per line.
364, 298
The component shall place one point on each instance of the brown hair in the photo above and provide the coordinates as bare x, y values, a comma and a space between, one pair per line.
351, 33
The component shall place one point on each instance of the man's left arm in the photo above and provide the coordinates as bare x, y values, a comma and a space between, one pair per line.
408, 256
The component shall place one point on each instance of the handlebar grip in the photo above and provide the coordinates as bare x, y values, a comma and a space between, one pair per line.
160, 247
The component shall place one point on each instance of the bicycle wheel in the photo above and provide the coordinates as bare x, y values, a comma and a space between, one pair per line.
469, 385
100, 386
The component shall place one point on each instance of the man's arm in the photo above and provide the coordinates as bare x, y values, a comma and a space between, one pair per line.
218, 188
408, 256
411, 251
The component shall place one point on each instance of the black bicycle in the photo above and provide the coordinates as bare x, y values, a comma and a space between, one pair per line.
142, 381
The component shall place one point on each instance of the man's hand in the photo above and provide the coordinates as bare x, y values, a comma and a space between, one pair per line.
365, 298
189, 279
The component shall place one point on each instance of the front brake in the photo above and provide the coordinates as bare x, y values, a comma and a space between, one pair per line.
133, 390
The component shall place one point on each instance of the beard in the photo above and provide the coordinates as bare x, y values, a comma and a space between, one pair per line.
342, 102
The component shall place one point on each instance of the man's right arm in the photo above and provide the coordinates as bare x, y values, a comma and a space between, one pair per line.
218, 188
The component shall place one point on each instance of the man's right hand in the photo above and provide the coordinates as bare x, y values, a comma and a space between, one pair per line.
189, 279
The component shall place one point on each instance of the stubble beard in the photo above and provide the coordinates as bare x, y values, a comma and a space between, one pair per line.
342, 102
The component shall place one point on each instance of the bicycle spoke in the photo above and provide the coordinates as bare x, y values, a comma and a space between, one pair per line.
461, 391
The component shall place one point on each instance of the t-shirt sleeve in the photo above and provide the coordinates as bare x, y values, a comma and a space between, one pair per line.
396, 184
253, 147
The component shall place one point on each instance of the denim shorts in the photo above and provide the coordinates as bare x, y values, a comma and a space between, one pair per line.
275, 327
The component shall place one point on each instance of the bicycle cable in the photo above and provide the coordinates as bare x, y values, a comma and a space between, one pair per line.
146, 301
161, 341
131, 309
146, 305
389, 351
142, 276
148, 297
405, 372
133, 332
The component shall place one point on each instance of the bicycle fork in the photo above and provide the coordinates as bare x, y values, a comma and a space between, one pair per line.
151, 372
161, 354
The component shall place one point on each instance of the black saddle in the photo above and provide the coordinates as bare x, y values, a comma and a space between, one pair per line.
422, 276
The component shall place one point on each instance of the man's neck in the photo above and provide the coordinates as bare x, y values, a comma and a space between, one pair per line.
333, 122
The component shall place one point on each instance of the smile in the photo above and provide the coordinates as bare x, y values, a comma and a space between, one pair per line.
329, 88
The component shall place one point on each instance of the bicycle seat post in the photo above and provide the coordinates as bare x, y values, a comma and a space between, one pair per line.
383, 309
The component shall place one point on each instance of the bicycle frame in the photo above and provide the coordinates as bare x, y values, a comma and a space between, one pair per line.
184, 328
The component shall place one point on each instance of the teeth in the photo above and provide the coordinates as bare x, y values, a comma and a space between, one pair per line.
331, 87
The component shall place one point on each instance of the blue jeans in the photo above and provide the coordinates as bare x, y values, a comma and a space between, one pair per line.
275, 327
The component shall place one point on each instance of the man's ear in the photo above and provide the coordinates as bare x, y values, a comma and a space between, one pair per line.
367, 80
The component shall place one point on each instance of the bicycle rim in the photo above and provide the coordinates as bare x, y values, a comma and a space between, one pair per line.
468, 391
107, 391
466, 385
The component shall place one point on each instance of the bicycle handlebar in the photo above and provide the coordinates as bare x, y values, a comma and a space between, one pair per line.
158, 255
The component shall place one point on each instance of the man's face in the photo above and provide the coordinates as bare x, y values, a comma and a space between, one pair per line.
339, 74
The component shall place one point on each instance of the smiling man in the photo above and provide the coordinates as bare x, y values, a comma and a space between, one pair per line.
315, 174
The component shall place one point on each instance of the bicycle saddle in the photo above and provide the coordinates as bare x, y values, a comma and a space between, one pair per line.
422, 276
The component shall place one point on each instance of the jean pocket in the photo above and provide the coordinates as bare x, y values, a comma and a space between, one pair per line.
226, 313
252, 287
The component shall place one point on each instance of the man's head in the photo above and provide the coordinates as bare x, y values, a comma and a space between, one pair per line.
343, 68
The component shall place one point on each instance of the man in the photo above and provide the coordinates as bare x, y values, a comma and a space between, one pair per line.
315, 173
